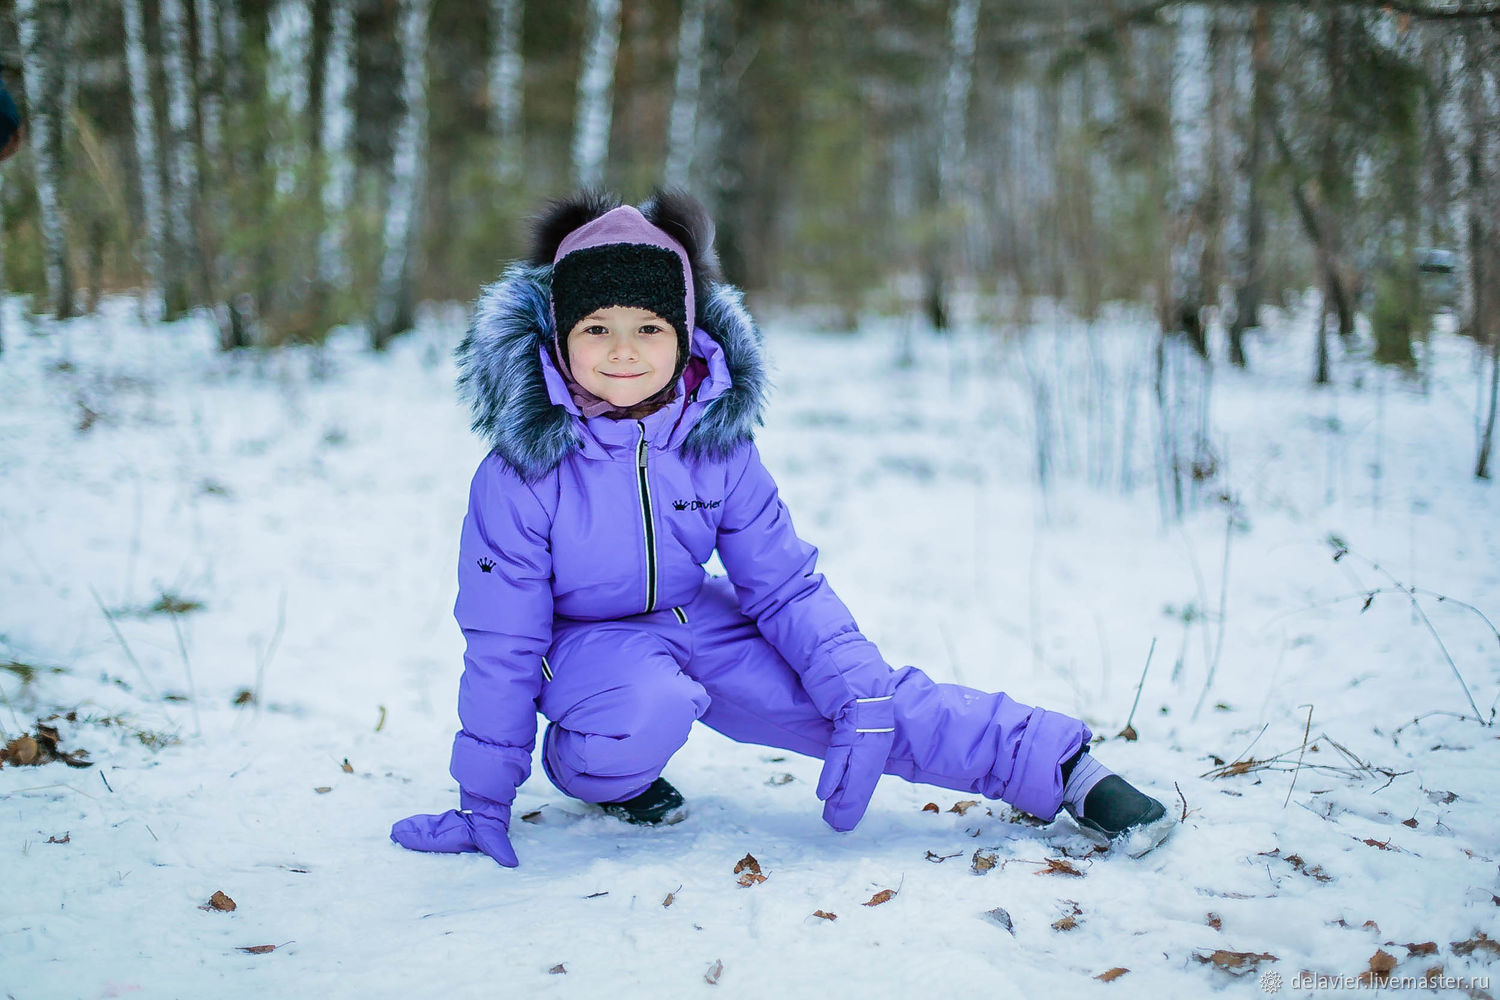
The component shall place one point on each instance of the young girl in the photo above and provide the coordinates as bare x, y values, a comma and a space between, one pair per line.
620, 382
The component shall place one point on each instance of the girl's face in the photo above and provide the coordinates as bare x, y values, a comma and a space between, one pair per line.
622, 354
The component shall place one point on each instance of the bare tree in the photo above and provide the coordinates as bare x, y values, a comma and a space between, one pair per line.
952, 152
596, 90
182, 161
1183, 376
505, 84
336, 145
1481, 152
143, 113
1248, 250
682, 127
393, 303
43, 24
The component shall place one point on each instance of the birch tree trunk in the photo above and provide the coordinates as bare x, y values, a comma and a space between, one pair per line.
1190, 157
42, 25
1481, 85
505, 84
337, 145
394, 306
1249, 249
1182, 371
182, 163
952, 187
596, 84
144, 116
289, 50
682, 127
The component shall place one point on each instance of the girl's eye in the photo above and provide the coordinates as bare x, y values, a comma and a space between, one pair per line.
597, 329
651, 328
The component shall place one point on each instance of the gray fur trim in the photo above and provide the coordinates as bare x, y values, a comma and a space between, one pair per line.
500, 375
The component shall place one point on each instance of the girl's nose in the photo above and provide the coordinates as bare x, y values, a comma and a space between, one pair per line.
621, 347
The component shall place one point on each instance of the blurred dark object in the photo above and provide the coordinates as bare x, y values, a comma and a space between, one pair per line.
11, 130
1437, 269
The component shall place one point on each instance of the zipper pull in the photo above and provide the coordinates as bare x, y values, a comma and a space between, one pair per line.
640, 451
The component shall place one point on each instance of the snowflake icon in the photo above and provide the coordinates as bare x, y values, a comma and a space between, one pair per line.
1270, 982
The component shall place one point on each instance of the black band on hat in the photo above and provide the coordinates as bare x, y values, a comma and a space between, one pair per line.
620, 274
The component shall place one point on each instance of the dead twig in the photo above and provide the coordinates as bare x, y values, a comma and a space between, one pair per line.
1306, 729
1341, 549
187, 666
262, 660
1135, 704
123, 644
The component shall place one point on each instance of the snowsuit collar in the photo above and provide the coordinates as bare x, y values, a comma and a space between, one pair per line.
522, 406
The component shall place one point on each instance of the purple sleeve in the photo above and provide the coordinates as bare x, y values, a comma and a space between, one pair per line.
775, 577
504, 608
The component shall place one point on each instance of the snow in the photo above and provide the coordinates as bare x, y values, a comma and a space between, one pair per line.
317, 519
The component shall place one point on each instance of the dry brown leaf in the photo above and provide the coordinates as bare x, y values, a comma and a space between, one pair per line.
983, 861
21, 750
825, 914
323, 789
258, 949
963, 805
1057, 866
65, 838
671, 898
931, 807
348, 768
1421, 948
714, 972
1410, 822
751, 878
1384, 845
1065, 923
535, 816
747, 862
1239, 767
1479, 942
557, 970
219, 901
1110, 975
1235, 961
1128, 734
1299, 865
883, 896
1215, 921
1381, 963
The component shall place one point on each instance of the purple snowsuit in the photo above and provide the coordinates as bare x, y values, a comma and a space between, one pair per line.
582, 592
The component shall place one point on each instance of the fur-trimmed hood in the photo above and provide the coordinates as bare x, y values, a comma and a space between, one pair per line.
520, 403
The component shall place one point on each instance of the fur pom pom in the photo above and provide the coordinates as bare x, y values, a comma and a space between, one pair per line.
563, 215
685, 219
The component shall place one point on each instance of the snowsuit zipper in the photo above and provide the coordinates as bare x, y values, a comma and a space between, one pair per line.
645, 488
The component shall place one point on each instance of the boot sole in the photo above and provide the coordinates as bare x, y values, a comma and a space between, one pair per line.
671, 817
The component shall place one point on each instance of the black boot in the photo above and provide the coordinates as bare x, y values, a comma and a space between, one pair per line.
659, 805
1116, 813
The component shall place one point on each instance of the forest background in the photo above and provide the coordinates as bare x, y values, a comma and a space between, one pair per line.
294, 165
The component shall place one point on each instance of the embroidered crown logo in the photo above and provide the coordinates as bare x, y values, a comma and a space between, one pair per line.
695, 504
486, 564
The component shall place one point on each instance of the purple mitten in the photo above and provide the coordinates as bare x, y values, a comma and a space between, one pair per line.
481, 825
862, 737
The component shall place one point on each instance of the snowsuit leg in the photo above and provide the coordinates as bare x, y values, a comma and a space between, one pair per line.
946, 734
618, 703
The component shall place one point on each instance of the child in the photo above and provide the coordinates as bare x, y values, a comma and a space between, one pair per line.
619, 382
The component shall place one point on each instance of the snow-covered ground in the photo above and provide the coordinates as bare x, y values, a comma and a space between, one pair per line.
314, 521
